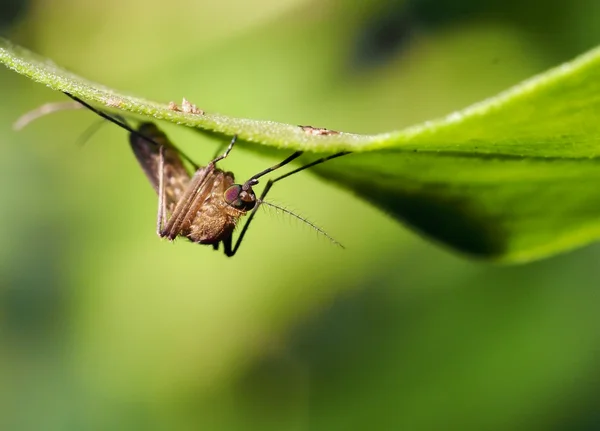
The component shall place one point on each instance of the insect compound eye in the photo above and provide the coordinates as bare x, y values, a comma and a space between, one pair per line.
237, 197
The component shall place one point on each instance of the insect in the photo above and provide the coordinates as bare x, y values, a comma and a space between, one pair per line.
206, 206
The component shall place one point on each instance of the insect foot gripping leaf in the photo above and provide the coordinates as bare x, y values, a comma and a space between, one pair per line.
206, 206
513, 178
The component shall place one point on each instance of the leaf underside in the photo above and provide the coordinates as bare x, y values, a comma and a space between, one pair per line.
510, 179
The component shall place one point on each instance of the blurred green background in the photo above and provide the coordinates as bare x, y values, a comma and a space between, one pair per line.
104, 326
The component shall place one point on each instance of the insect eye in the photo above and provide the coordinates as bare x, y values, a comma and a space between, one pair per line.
239, 198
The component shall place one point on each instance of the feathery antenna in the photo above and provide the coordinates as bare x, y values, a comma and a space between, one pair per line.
302, 219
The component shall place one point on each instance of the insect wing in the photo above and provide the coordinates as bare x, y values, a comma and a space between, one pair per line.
190, 202
147, 151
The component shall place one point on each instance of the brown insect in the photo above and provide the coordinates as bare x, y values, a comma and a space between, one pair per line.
206, 205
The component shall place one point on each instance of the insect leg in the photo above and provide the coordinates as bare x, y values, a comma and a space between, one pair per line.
254, 178
309, 165
227, 151
41, 111
162, 210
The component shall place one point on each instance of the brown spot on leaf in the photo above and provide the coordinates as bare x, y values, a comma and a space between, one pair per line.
318, 131
186, 107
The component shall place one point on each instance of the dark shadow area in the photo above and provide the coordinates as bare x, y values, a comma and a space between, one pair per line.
389, 29
383, 35
448, 220
431, 211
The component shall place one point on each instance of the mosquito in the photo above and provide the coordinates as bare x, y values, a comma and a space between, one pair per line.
203, 207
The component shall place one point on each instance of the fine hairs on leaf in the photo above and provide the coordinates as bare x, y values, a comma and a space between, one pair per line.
510, 179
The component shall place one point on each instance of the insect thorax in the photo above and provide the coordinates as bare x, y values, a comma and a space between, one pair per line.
215, 219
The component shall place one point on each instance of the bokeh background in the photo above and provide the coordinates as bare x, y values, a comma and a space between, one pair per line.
104, 326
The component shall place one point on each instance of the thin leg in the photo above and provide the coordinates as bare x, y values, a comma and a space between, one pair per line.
219, 150
121, 122
89, 132
118, 120
227, 151
238, 242
254, 178
162, 210
92, 129
268, 186
42, 111
311, 164
227, 246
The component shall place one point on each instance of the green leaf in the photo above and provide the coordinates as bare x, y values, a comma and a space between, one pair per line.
510, 179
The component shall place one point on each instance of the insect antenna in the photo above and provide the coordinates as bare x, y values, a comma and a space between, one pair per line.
303, 220
254, 180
